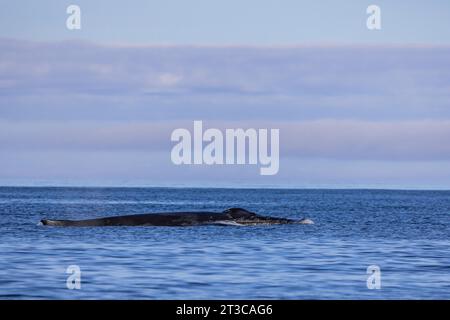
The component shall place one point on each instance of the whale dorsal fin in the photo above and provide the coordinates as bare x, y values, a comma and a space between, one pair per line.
238, 213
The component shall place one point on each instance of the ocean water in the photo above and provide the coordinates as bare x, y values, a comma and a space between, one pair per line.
405, 233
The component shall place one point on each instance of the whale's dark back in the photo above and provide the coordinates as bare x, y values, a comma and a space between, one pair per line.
238, 215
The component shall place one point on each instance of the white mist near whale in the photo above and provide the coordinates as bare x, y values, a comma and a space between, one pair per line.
236, 146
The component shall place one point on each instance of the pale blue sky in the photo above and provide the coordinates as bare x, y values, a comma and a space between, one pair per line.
354, 107
229, 22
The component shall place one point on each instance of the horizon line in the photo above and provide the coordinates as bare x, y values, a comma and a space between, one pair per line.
304, 45
267, 187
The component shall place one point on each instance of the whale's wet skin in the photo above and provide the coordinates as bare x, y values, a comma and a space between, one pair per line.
229, 217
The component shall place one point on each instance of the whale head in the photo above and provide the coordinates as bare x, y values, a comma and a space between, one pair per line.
246, 217
305, 221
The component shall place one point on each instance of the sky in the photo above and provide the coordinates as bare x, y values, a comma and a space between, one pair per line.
96, 106
216, 22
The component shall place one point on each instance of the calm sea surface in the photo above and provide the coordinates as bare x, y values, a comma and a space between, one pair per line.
405, 233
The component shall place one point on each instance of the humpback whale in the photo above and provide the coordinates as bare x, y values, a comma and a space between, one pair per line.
232, 216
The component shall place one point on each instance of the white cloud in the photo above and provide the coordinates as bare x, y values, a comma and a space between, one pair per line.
169, 79
352, 105
322, 139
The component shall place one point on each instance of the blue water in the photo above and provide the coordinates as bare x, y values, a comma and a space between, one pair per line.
405, 233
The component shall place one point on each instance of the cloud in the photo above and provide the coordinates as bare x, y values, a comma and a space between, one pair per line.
69, 80
154, 168
169, 79
321, 139
73, 110
365, 140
